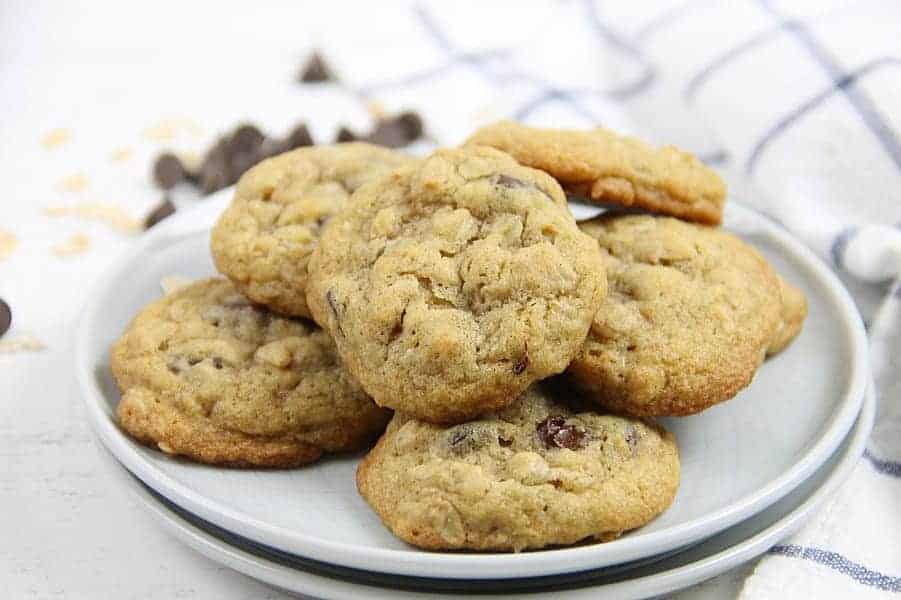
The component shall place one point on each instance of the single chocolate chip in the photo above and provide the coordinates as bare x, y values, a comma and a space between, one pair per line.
298, 138
6, 317
168, 171
504, 442
217, 362
521, 365
214, 171
345, 135
316, 71
554, 432
396, 132
163, 210
246, 138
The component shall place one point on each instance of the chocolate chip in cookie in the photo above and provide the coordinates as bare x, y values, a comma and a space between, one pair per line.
6, 317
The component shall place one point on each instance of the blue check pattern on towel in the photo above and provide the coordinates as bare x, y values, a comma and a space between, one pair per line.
798, 104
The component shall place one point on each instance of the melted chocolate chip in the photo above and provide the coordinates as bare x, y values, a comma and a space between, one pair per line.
315, 71
555, 433
6, 317
512, 182
521, 365
163, 210
168, 171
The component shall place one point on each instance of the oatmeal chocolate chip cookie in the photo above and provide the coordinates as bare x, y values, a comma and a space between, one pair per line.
207, 375
794, 311
688, 318
451, 285
538, 473
606, 167
263, 241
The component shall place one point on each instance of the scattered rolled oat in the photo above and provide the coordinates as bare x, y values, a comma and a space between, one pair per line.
121, 154
8, 243
55, 138
173, 283
23, 343
74, 183
168, 129
112, 215
76, 244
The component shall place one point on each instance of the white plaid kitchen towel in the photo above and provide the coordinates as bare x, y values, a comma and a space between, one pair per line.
797, 103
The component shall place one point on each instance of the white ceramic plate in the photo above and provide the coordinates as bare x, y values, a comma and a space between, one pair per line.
734, 546
737, 458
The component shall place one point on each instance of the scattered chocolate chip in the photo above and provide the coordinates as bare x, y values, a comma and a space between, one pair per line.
316, 71
554, 432
6, 317
396, 132
345, 135
168, 171
163, 210
521, 365
298, 138
246, 138
213, 174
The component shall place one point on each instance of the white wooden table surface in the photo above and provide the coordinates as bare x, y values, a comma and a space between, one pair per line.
118, 77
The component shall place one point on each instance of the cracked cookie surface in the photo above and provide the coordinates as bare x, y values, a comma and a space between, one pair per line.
688, 317
794, 311
207, 375
603, 166
263, 240
451, 285
535, 474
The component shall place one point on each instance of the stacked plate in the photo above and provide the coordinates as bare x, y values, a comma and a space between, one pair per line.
753, 469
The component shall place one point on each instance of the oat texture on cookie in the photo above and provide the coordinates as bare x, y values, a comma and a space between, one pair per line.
689, 315
207, 375
263, 241
603, 166
451, 285
535, 474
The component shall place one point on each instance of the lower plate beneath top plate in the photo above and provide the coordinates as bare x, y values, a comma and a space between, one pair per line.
737, 458
707, 559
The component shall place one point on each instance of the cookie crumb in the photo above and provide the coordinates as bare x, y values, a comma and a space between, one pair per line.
74, 183
112, 215
55, 138
8, 243
23, 343
121, 154
76, 244
172, 283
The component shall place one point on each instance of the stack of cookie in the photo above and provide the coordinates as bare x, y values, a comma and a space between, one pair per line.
523, 353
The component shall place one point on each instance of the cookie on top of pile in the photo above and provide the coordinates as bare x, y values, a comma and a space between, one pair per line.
523, 353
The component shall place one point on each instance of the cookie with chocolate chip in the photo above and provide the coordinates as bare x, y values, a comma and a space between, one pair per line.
605, 167
538, 473
689, 316
453, 284
207, 375
263, 241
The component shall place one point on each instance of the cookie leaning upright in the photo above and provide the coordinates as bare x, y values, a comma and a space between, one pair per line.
690, 313
451, 285
535, 474
607, 167
263, 240
207, 375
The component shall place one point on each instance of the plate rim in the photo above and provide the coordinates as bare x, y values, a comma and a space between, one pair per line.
667, 581
414, 562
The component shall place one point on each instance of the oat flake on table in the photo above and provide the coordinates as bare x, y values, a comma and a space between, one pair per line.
25, 342
55, 138
76, 244
112, 215
8, 243
75, 183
